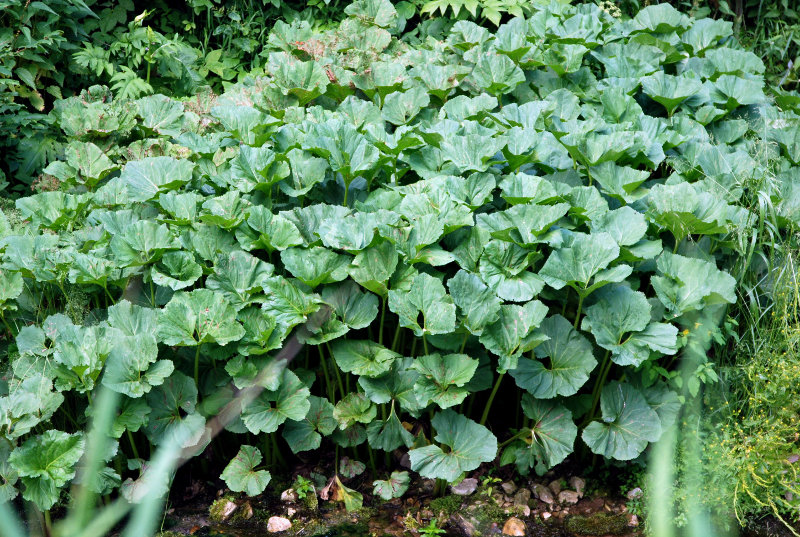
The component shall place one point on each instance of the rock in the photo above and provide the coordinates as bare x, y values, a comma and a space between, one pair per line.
509, 487
578, 484
633, 521
246, 511
546, 515
543, 493
514, 526
569, 497
276, 524
290, 512
635, 494
466, 487
522, 497
289, 496
461, 525
222, 509
587, 506
555, 486
526, 511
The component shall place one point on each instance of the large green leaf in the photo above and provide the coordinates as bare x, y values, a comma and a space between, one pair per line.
570, 362
147, 177
628, 424
364, 358
620, 322
479, 306
427, 297
552, 436
469, 443
241, 476
442, 378
197, 317
306, 434
575, 265
273, 407
686, 284
514, 332
45, 463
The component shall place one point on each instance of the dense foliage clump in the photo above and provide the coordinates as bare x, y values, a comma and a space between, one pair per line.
508, 236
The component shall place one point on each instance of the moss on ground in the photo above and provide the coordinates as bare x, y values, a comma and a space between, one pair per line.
446, 504
598, 524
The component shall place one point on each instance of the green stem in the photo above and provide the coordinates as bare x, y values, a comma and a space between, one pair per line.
425, 344
48, 523
463, 343
342, 392
520, 434
197, 367
5, 323
598, 386
580, 307
133, 444
488, 406
105, 288
396, 337
383, 317
328, 384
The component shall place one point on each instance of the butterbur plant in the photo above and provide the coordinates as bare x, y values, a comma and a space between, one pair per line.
513, 232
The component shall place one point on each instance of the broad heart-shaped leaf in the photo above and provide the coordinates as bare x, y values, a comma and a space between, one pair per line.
90, 161
373, 266
241, 475
288, 302
396, 385
685, 210
197, 317
732, 91
80, 352
394, 487
131, 367
686, 284
11, 285
552, 436
471, 152
306, 434
354, 408
503, 266
401, 107
306, 171
479, 306
513, 332
161, 114
226, 211
176, 270
571, 361
45, 463
364, 358
317, 265
251, 169
576, 264
133, 320
147, 177
356, 308
141, 243
619, 311
173, 418
428, 297
290, 402
497, 74
304, 80
470, 445
624, 224
238, 276
275, 232
390, 434
628, 424
442, 378
347, 150
8, 475
670, 91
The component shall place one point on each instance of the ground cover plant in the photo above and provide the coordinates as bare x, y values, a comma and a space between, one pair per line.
511, 236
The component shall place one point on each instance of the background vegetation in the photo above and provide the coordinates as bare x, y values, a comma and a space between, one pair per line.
253, 162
